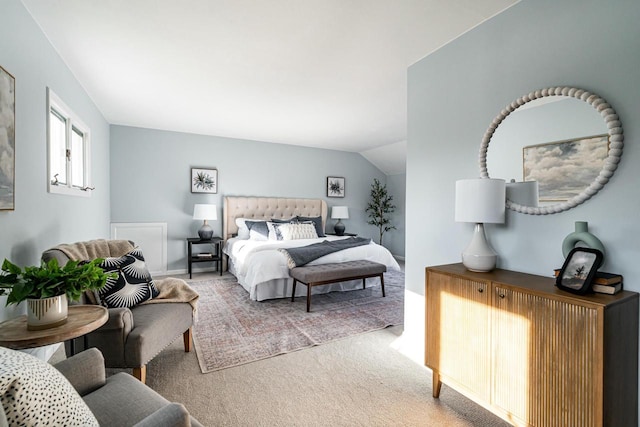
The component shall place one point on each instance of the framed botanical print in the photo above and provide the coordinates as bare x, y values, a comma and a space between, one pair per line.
335, 186
204, 180
7, 140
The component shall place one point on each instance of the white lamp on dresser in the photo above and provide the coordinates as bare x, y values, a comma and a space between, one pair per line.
480, 201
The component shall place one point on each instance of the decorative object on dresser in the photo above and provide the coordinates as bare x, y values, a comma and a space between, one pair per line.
379, 207
339, 213
8, 129
581, 234
604, 283
335, 186
480, 201
558, 113
530, 352
578, 270
205, 212
204, 180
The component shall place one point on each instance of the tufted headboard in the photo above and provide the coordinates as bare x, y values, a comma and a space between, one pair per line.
267, 208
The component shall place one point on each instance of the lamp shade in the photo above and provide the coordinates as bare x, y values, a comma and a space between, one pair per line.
339, 212
480, 200
201, 211
523, 193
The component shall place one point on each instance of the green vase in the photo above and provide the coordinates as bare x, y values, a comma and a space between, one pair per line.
581, 235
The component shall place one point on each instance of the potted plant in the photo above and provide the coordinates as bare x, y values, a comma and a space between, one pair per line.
47, 287
379, 207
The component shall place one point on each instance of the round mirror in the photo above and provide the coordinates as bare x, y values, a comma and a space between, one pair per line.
559, 147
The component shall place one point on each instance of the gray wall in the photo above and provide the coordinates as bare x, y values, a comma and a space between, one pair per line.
40, 219
455, 93
150, 179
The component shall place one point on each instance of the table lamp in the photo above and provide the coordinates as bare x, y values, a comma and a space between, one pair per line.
205, 212
339, 213
480, 201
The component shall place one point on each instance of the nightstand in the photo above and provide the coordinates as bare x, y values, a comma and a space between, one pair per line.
344, 234
215, 256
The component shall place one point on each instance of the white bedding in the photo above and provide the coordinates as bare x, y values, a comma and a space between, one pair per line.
262, 270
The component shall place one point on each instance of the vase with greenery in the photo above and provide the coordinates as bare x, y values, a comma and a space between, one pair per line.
379, 208
50, 281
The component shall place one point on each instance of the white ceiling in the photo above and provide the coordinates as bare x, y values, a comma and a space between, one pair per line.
319, 73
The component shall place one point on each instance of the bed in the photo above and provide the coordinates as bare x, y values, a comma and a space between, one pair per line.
262, 269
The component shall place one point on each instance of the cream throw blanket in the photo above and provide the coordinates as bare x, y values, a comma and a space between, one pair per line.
171, 289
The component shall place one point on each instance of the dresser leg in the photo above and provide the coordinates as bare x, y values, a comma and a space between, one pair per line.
436, 385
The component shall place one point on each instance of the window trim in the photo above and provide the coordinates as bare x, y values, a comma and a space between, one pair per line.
72, 121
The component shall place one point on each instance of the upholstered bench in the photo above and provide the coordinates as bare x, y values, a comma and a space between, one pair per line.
314, 275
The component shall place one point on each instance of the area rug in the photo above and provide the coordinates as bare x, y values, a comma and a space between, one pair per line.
233, 330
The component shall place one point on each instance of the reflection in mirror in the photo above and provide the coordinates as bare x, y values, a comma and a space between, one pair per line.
566, 140
550, 140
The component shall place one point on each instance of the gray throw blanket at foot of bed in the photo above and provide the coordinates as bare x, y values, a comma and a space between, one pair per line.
297, 257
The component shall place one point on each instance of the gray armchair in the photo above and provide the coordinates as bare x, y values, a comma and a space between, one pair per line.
132, 336
120, 400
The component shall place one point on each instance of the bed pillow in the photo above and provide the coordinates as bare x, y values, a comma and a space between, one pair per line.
33, 392
305, 230
317, 220
283, 221
132, 285
243, 230
258, 230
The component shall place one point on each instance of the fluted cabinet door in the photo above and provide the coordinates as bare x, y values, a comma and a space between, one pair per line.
545, 358
457, 329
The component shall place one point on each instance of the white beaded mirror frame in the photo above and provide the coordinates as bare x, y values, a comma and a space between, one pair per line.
616, 143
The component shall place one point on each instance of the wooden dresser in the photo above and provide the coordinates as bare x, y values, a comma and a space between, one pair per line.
531, 353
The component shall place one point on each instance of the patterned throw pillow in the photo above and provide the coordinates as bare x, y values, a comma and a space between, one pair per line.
132, 285
32, 392
297, 231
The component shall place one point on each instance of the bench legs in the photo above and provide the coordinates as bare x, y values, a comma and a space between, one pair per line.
310, 285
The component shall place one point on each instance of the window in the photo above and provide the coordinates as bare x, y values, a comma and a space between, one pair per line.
68, 144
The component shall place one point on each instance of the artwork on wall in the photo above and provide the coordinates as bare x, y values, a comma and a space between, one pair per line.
335, 186
564, 169
7, 140
204, 180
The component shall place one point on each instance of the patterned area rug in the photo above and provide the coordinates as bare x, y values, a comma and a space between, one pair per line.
233, 330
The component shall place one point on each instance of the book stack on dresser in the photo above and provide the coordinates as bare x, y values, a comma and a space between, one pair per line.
604, 283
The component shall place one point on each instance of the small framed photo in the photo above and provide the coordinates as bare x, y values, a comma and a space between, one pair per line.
335, 186
579, 269
204, 180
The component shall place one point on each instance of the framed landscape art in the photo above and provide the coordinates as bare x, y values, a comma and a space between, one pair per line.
7, 140
335, 186
564, 169
204, 180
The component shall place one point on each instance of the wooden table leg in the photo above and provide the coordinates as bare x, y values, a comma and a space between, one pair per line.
436, 384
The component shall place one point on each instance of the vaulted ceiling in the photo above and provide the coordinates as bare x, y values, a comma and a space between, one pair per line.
318, 73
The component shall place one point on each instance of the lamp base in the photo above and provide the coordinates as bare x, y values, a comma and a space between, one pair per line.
205, 232
479, 255
339, 228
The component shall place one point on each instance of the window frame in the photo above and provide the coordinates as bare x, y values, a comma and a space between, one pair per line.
56, 106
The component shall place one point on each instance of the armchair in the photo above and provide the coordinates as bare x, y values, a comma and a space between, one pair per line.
120, 400
132, 336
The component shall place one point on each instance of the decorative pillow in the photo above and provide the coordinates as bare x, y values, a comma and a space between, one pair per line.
133, 284
297, 231
33, 392
317, 220
283, 221
243, 230
258, 230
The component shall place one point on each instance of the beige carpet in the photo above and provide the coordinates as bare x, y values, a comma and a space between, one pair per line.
357, 381
233, 330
